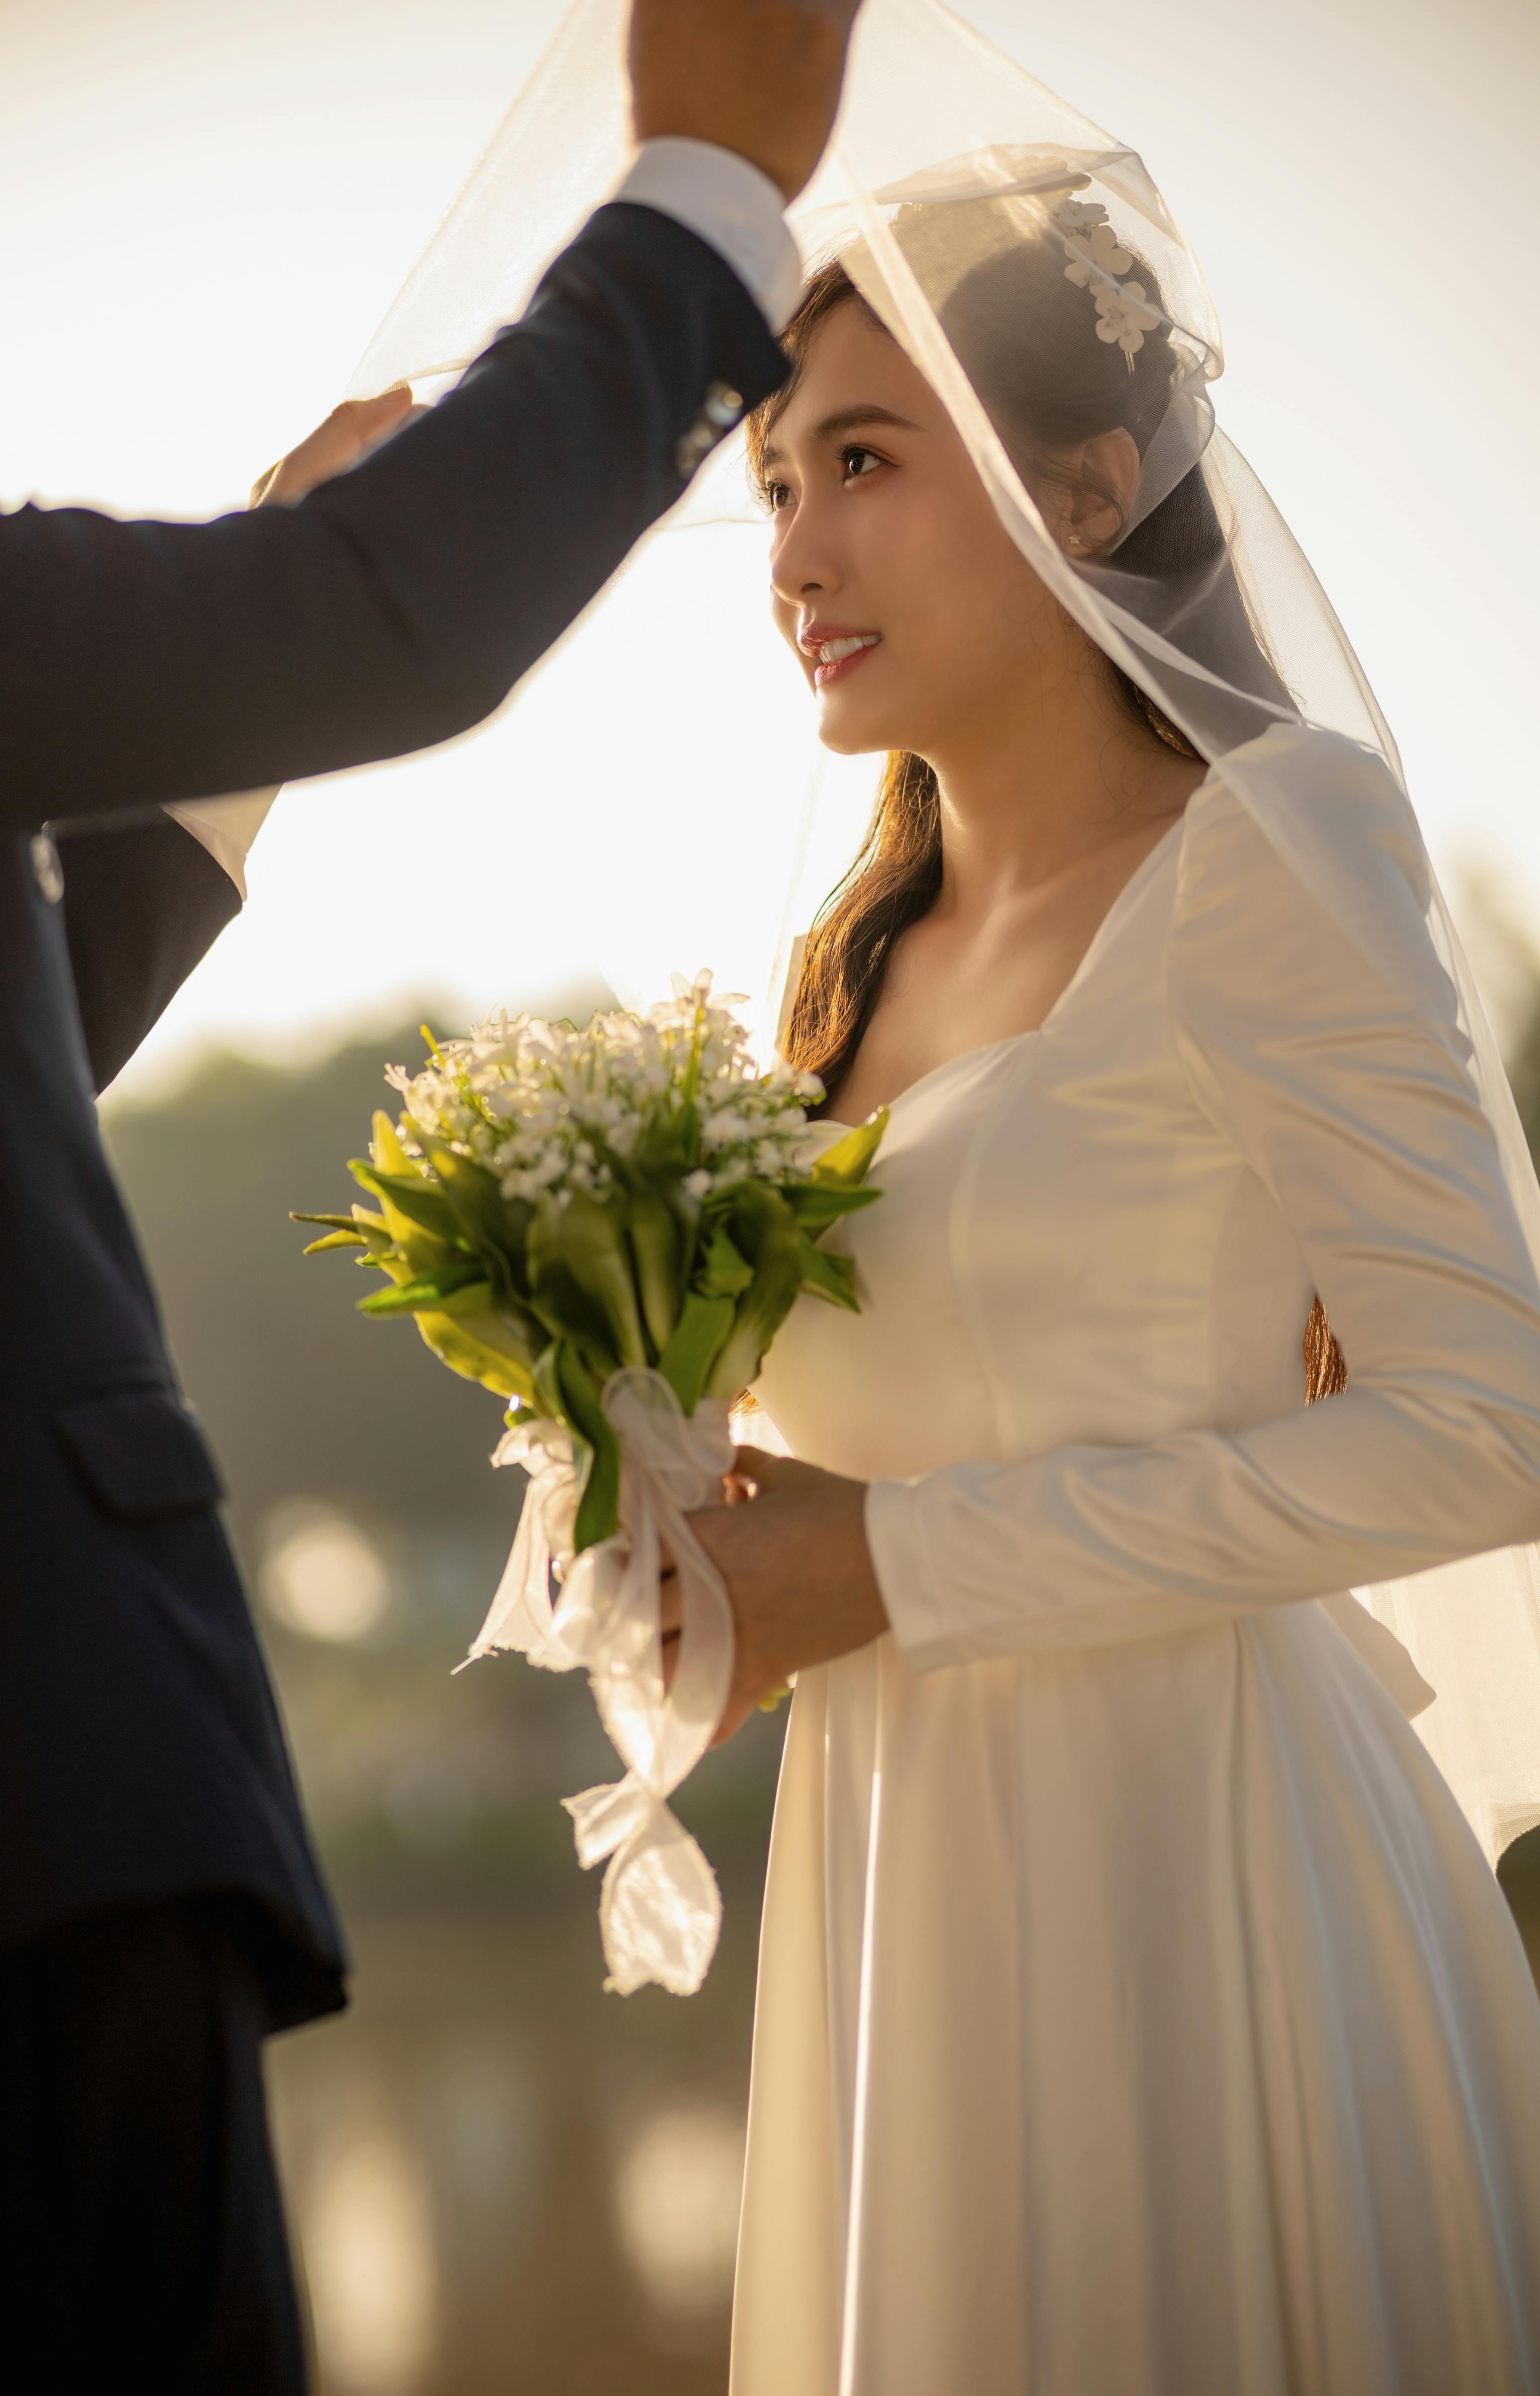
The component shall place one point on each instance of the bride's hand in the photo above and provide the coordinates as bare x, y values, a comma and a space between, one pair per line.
348, 434
798, 1571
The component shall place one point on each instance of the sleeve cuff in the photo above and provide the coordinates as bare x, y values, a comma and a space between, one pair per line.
226, 826
911, 1591
732, 205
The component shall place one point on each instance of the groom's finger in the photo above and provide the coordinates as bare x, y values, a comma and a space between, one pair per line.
348, 434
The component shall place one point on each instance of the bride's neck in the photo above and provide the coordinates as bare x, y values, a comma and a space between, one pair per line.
1065, 773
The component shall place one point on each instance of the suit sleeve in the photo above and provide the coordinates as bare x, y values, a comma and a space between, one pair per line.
398, 605
143, 904
1344, 1086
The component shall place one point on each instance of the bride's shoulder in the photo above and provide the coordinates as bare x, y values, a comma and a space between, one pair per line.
1302, 860
1304, 818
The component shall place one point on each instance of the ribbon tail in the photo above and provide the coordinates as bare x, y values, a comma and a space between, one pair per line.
520, 1615
661, 1908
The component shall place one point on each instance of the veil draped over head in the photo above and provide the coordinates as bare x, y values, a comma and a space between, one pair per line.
1030, 268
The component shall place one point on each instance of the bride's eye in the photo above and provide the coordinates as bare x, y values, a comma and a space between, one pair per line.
775, 496
858, 463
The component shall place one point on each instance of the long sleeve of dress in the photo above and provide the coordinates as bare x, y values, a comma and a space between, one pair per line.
398, 604
1334, 1065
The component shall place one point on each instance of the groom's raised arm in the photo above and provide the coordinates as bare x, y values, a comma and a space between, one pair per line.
148, 662
397, 604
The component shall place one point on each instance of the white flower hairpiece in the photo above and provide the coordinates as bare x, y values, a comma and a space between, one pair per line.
1098, 260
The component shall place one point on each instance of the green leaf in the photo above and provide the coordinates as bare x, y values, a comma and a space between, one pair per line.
424, 1290
817, 1204
848, 1159
768, 1234
685, 1363
585, 1242
495, 1227
655, 1243
385, 1148
548, 1387
425, 1206
599, 1507
829, 1277
336, 1223
481, 1344
726, 1272
335, 1239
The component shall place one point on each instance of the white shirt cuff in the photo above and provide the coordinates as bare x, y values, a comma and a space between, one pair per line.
728, 203
226, 826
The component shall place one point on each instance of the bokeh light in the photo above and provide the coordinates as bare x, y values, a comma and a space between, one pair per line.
678, 2190
322, 1576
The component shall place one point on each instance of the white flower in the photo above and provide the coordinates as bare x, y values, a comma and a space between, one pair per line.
1096, 255
549, 1108
1124, 318
1079, 216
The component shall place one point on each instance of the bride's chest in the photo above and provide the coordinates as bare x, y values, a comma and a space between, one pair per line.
1049, 1207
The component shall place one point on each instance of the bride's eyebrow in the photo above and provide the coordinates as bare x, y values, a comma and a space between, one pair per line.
853, 420
845, 420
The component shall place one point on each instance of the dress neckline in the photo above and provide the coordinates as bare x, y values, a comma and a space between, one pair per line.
1100, 939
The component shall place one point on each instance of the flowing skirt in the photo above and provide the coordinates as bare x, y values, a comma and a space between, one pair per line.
1135, 2021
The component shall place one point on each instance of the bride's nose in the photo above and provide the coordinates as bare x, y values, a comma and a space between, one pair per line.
802, 565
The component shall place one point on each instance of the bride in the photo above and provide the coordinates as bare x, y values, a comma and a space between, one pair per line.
1138, 2014
1136, 2010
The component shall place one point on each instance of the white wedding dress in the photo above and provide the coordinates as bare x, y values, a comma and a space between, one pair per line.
1137, 2015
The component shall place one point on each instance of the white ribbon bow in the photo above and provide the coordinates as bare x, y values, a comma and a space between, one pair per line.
660, 1909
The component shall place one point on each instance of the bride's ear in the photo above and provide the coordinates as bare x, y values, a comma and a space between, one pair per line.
1100, 479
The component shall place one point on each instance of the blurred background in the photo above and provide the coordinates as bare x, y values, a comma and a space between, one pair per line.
502, 2179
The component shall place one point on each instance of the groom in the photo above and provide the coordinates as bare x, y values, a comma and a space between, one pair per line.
160, 1910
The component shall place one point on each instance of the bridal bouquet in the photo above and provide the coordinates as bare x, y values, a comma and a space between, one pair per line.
608, 1227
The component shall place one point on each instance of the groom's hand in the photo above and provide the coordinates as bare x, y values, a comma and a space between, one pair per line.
759, 77
348, 434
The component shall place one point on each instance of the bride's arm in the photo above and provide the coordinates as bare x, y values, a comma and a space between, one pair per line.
1343, 1084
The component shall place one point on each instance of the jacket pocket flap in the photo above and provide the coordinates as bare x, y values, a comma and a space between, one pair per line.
139, 1453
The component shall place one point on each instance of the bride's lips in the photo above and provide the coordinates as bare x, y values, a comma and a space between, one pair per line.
836, 649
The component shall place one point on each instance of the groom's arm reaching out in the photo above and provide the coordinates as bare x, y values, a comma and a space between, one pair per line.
397, 604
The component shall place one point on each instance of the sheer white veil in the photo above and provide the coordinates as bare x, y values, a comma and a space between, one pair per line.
968, 202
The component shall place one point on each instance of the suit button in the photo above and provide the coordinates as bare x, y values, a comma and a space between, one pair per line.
717, 414
47, 870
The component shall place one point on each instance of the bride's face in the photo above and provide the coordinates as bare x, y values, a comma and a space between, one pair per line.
884, 547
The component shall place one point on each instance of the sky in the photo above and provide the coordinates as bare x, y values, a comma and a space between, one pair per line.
206, 207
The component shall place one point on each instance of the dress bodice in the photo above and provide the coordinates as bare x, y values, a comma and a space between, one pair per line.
1066, 1248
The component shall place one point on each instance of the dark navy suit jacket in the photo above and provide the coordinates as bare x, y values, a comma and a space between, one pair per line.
140, 1750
